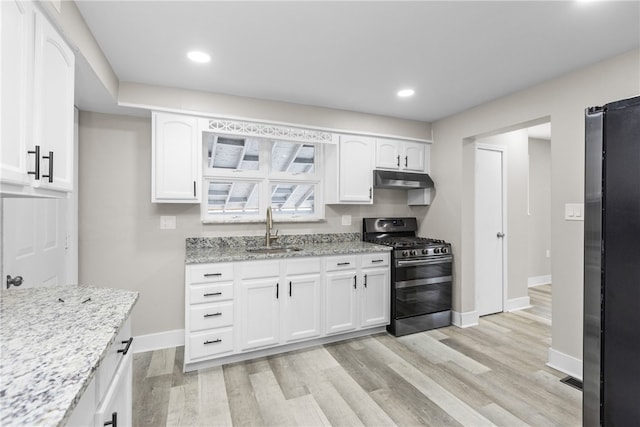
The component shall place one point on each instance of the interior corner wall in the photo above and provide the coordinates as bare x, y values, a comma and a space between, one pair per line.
564, 100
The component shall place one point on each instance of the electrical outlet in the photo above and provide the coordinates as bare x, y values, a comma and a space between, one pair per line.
167, 222
548, 254
346, 219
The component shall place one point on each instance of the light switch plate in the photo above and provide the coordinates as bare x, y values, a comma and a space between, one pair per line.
574, 211
167, 222
346, 219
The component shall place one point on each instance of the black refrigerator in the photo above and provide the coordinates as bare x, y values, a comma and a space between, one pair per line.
611, 354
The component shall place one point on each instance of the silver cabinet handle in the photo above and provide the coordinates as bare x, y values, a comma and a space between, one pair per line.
50, 158
500, 235
212, 294
212, 274
213, 314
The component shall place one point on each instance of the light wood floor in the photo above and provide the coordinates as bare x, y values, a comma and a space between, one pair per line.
492, 374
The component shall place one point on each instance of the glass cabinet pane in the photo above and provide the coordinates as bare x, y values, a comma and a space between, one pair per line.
233, 198
292, 157
232, 153
293, 198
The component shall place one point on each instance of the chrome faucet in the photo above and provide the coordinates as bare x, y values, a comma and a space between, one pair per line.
268, 237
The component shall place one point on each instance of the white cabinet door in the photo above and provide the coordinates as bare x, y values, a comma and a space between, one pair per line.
401, 155
356, 169
387, 154
414, 156
176, 159
374, 297
301, 314
340, 301
54, 66
16, 37
259, 312
116, 406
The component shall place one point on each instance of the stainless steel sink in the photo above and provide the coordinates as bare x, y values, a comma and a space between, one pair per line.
274, 249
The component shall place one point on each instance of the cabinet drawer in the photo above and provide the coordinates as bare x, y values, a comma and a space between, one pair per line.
115, 354
260, 269
211, 316
207, 273
346, 262
210, 293
210, 343
302, 266
375, 260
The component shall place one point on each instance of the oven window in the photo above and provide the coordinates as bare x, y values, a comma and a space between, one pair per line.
417, 300
430, 273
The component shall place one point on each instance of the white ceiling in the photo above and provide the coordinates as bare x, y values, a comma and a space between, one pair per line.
356, 55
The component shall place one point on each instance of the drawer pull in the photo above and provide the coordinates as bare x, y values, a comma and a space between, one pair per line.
212, 274
377, 260
344, 263
213, 314
126, 349
213, 294
114, 420
213, 342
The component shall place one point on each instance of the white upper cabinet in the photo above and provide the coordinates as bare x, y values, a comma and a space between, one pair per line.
176, 159
410, 156
53, 106
36, 113
17, 57
349, 171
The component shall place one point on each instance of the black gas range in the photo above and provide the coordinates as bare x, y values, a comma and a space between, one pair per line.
421, 274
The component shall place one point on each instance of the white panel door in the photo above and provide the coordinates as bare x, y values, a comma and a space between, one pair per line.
16, 33
387, 154
34, 241
490, 196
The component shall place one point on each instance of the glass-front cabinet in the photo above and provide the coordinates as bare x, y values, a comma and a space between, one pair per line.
243, 176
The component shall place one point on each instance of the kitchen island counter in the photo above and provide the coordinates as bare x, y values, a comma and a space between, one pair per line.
52, 341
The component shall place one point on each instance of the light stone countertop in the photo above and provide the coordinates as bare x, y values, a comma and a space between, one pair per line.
50, 350
198, 255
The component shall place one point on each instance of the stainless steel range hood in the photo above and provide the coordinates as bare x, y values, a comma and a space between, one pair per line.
401, 180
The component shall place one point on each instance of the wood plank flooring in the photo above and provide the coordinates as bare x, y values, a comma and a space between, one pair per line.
491, 374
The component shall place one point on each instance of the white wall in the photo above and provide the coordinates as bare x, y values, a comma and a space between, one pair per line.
539, 221
121, 244
563, 100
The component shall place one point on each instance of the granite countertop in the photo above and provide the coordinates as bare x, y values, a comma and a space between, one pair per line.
227, 249
50, 349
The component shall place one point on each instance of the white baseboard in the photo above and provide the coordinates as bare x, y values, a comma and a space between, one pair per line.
565, 363
516, 304
464, 320
158, 341
539, 280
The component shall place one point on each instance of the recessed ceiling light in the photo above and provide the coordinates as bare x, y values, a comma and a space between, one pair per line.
197, 56
404, 93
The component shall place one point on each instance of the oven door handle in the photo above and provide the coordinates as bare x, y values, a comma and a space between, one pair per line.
439, 260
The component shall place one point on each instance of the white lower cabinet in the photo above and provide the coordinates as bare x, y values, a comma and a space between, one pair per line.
357, 292
239, 308
108, 398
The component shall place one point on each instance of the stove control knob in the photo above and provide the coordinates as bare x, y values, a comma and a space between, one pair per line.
444, 250
405, 253
436, 251
425, 251
414, 252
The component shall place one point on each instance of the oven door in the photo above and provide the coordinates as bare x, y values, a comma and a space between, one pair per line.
422, 286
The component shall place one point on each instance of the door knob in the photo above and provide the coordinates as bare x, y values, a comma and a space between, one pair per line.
14, 281
500, 235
